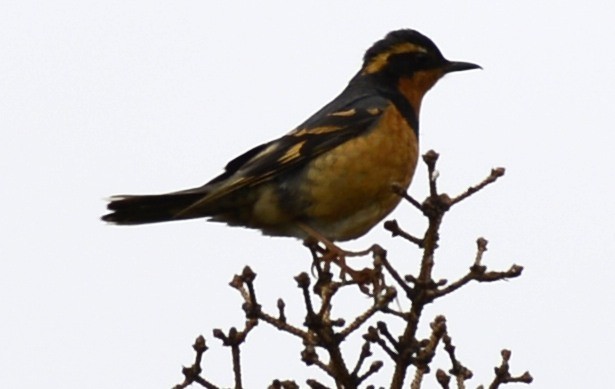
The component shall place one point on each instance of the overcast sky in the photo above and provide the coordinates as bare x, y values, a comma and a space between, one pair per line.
101, 98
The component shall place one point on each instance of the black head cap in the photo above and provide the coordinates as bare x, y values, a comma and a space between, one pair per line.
396, 39
405, 51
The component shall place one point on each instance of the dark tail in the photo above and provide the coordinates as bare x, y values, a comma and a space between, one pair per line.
151, 208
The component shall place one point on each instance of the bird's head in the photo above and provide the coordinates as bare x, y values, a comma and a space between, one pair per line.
408, 60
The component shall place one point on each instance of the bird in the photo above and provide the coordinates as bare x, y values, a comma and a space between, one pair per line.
332, 177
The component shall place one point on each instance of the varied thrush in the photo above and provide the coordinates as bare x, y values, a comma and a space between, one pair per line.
332, 177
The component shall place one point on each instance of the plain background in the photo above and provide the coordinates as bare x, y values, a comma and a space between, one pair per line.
100, 98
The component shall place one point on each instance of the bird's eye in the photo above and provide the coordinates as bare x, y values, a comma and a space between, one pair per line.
421, 58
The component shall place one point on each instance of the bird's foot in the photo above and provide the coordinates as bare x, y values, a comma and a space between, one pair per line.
331, 253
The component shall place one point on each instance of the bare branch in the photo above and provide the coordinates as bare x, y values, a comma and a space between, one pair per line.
192, 373
426, 354
374, 367
277, 384
320, 333
373, 337
458, 370
316, 385
493, 176
479, 273
418, 379
443, 379
384, 330
481, 244
502, 373
430, 158
282, 325
402, 192
234, 339
281, 306
303, 282
381, 302
365, 353
381, 256
393, 227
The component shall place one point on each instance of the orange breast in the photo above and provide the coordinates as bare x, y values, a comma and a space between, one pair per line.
349, 188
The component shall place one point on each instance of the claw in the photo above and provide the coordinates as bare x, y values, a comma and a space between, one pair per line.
332, 253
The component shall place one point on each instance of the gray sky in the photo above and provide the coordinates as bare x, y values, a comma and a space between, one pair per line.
100, 98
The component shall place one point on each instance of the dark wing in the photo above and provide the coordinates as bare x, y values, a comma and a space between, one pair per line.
339, 121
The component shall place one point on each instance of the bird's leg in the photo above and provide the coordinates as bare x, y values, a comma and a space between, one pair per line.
330, 253
330, 246
333, 253
312, 244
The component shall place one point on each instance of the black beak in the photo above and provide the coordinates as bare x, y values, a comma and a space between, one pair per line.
456, 66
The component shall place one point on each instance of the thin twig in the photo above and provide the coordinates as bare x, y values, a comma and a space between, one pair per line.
502, 373
402, 192
192, 373
381, 302
384, 330
381, 256
365, 353
493, 176
282, 325
395, 230
373, 337
443, 379
481, 245
458, 370
478, 273
316, 385
288, 384
374, 367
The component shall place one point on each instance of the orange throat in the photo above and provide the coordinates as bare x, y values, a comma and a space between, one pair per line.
414, 88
